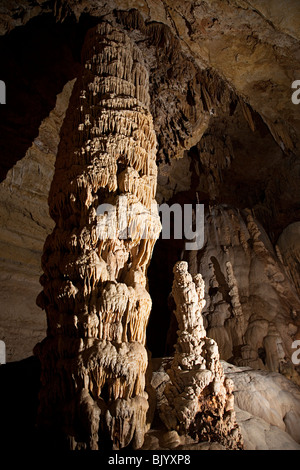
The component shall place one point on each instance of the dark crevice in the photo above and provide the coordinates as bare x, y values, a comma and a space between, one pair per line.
19, 387
36, 62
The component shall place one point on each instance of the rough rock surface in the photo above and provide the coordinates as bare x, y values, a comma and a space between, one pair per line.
260, 37
198, 399
252, 307
289, 250
266, 406
243, 93
25, 223
94, 359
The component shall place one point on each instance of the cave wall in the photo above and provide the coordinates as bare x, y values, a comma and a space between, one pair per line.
252, 305
25, 224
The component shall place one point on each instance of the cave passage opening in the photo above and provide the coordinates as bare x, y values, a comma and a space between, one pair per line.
37, 60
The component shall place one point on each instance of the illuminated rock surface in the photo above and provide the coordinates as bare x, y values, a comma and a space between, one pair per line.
198, 400
210, 83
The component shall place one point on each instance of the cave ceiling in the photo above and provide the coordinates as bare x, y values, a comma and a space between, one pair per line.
218, 70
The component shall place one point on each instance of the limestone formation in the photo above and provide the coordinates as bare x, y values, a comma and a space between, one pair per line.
274, 402
266, 405
95, 294
199, 97
25, 224
199, 401
243, 275
175, 101
262, 43
288, 247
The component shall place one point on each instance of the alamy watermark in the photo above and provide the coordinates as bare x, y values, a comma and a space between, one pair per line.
2, 92
296, 95
296, 354
2, 352
134, 221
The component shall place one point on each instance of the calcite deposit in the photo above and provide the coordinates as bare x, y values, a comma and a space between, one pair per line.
95, 294
199, 400
25, 223
243, 274
289, 253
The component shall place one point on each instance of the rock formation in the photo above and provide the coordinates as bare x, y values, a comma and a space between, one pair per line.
94, 359
210, 84
267, 408
25, 224
199, 397
243, 274
289, 253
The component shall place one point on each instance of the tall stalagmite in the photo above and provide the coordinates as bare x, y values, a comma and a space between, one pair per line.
199, 398
95, 294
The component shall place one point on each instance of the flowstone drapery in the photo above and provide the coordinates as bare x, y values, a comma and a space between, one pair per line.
95, 294
199, 399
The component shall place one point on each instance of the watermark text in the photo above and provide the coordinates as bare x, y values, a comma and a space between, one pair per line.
296, 94
2, 92
134, 221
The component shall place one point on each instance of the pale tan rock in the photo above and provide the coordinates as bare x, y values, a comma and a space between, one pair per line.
273, 400
260, 435
184, 31
266, 408
250, 297
94, 280
289, 248
261, 40
198, 399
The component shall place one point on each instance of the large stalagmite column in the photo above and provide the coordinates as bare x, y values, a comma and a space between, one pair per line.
94, 283
199, 398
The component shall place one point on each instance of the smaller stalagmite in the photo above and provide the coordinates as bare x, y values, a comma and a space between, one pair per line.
199, 397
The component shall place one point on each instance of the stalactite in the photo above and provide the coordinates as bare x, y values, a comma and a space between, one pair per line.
247, 114
94, 287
